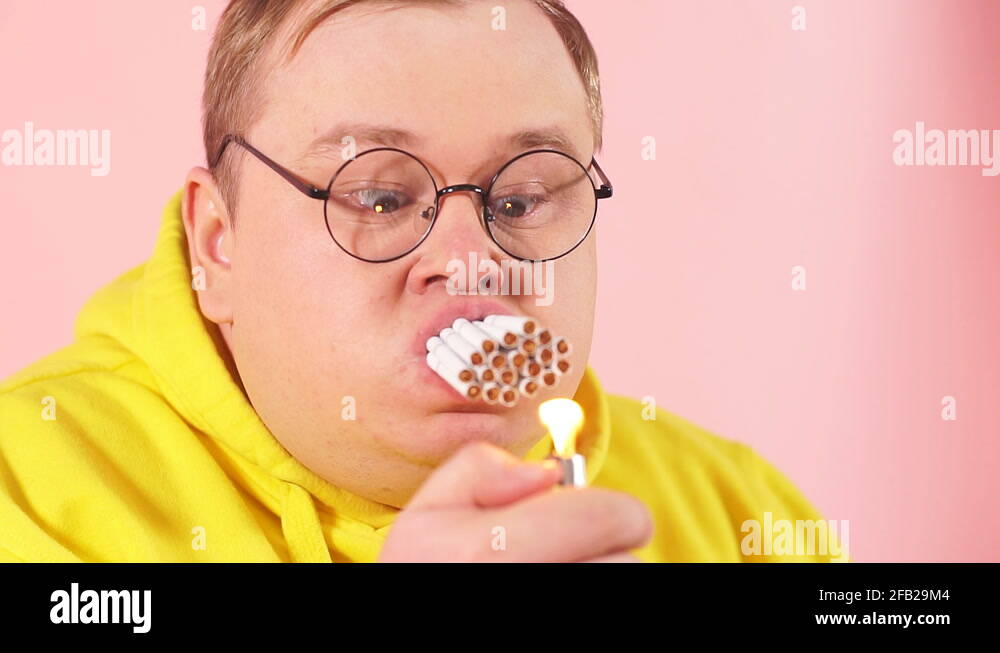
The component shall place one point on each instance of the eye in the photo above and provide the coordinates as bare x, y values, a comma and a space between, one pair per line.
516, 206
381, 202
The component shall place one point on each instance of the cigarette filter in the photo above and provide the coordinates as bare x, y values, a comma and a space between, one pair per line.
508, 395
479, 338
491, 393
523, 326
468, 389
528, 387
503, 336
465, 350
448, 359
500, 359
508, 376
484, 373
516, 360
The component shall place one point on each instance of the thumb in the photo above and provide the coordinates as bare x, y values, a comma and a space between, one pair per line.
483, 475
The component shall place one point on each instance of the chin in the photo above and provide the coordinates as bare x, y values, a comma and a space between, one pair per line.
441, 434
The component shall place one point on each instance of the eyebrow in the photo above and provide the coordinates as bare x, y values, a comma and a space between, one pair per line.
332, 141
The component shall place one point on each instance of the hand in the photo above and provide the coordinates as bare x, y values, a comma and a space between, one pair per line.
483, 504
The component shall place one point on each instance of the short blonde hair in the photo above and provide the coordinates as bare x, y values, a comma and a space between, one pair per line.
233, 97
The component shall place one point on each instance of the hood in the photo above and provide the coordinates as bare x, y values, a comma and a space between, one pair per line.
153, 312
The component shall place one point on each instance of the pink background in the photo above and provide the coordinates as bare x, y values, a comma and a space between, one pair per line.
774, 150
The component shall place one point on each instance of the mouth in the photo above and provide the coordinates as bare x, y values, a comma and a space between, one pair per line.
444, 317
497, 360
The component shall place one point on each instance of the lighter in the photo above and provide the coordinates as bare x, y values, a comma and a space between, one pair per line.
564, 418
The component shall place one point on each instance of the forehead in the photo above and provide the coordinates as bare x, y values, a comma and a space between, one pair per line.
439, 72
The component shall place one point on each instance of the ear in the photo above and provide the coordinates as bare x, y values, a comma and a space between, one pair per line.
210, 243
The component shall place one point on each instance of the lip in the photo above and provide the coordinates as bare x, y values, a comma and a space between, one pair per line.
471, 309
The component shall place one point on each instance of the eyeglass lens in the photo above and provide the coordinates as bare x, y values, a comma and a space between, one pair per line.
383, 203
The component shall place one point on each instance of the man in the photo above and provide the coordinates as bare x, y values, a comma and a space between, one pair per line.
257, 390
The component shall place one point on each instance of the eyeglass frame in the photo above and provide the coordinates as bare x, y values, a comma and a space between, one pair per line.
604, 191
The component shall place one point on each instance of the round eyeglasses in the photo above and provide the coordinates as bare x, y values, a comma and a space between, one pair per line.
382, 204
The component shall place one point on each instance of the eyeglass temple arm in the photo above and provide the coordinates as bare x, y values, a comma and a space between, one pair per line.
292, 178
606, 190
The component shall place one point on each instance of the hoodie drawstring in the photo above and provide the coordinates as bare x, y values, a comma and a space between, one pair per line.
301, 526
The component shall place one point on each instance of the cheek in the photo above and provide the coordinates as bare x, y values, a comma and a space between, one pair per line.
571, 289
307, 309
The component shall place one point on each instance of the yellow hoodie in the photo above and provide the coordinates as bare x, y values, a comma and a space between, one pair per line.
135, 443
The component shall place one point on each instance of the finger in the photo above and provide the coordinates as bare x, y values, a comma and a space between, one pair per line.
483, 475
572, 524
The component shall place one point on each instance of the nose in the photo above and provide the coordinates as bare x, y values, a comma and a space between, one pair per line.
457, 240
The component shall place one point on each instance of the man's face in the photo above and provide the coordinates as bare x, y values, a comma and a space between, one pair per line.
312, 325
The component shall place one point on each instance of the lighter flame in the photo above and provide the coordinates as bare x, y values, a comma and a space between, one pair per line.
563, 418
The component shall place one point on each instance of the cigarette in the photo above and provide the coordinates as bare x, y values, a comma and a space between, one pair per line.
498, 360
445, 355
491, 393
467, 389
468, 353
503, 336
508, 396
516, 360
528, 346
479, 338
484, 373
508, 377
524, 326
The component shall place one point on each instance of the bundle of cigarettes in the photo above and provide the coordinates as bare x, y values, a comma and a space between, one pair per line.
498, 359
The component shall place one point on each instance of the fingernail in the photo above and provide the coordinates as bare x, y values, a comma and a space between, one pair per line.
550, 465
